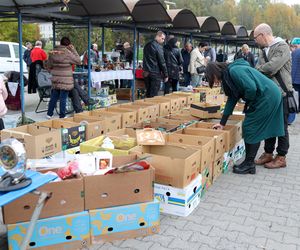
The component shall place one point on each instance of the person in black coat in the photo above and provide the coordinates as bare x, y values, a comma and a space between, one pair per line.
186, 56
174, 61
154, 65
247, 55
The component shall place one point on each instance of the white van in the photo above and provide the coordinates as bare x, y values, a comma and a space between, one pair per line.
9, 57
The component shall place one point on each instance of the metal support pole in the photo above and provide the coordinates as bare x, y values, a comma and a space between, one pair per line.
133, 65
36, 213
21, 66
89, 57
54, 33
103, 41
191, 38
138, 48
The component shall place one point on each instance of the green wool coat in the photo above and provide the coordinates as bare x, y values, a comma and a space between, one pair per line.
264, 116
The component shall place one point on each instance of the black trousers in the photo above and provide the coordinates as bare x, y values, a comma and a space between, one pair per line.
152, 84
283, 141
170, 83
251, 151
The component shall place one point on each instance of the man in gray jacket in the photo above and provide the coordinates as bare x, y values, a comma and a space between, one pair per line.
274, 57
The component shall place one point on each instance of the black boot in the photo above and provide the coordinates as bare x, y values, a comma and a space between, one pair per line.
248, 165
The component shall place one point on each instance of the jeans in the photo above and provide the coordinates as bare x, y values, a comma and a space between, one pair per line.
62, 96
187, 78
195, 80
283, 141
297, 88
170, 83
152, 86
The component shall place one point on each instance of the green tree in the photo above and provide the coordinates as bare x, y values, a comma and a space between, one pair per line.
9, 32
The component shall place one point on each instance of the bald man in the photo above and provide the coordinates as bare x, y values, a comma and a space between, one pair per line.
274, 58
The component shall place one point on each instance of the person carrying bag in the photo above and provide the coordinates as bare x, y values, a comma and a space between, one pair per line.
291, 102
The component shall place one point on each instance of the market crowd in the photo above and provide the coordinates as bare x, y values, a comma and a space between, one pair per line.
264, 84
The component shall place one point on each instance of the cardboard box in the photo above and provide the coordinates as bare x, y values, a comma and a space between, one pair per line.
112, 121
61, 203
176, 201
237, 121
239, 152
39, 141
121, 222
119, 189
228, 161
122, 145
164, 105
57, 233
94, 127
217, 168
215, 99
229, 130
124, 132
142, 111
175, 104
182, 99
153, 109
165, 128
190, 97
71, 134
206, 144
204, 110
175, 166
128, 115
150, 136
219, 138
207, 179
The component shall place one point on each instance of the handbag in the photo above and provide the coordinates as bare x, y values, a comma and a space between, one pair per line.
200, 70
291, 102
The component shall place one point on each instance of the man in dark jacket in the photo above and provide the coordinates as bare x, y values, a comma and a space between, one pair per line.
154, 65
247, 55
296, 66
275, 57
186, 56
26, 56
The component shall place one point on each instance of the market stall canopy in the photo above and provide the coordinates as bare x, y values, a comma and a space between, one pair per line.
251, 34
15, 5
183, 19
208, 24
241, 31
227, 29
148, 11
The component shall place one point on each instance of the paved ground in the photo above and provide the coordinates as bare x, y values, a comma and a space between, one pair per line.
250, 212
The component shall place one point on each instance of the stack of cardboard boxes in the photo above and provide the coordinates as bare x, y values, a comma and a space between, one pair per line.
93, 209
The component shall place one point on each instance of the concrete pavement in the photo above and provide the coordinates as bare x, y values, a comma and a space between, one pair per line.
250, 212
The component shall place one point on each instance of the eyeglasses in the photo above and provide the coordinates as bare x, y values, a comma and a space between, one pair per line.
257, 36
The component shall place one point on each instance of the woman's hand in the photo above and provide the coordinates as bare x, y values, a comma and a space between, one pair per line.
218, 126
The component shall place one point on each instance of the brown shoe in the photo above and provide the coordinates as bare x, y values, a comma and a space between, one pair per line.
264, 158
278, 162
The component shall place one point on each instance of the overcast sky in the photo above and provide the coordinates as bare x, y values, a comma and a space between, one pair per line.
290, 2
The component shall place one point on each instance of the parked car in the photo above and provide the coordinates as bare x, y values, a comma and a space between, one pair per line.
9, 57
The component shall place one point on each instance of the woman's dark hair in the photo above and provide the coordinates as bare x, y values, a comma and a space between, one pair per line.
172, 42
214, 70
65, 41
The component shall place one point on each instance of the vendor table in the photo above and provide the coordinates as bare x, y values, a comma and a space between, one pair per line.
98, 77
38, 180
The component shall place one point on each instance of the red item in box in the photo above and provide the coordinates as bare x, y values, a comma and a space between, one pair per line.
139, 73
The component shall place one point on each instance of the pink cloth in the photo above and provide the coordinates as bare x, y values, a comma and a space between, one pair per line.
3, 96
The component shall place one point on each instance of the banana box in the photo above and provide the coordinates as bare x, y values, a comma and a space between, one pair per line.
56, 233
239, 152
228, 161
177, 201
207, 178
123, 222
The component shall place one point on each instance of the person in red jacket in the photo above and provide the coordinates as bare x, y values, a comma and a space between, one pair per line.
37, 56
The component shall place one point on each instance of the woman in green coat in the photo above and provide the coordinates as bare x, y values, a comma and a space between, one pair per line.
263, 107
